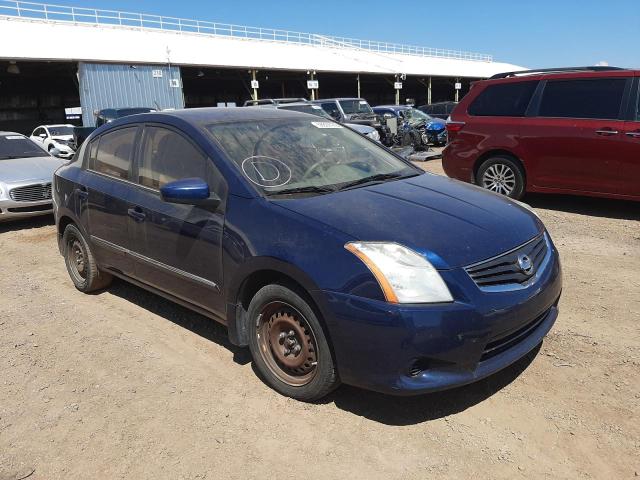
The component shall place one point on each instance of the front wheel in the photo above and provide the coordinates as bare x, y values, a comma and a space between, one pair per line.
502, 175
288, 345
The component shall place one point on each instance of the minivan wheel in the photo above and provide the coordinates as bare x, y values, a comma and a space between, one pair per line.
502, 175
81, 263
288, 344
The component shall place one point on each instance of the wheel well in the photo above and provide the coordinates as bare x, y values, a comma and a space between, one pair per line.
496, 153
62, 224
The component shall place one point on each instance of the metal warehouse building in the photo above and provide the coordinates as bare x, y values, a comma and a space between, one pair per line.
54, 58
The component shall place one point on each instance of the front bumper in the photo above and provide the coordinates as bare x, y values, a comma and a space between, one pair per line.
11, 210
414, 349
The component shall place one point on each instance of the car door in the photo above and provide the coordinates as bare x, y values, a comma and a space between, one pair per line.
575, 138
107, 186
178, 247
630, 158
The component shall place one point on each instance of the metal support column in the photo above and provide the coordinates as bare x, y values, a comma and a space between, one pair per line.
457, 90
429, 92
359, 96
253, 80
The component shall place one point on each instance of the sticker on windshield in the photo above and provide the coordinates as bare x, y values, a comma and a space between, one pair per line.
363, 102
266, 171
14, 137
326, 125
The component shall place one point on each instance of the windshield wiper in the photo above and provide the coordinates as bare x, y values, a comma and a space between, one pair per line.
379, 178
307, 189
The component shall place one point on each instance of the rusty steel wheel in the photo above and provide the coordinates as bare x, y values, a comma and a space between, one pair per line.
287, 344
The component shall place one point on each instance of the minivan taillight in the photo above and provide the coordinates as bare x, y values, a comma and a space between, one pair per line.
453, 128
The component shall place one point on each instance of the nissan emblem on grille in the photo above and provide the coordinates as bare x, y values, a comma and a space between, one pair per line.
525, 264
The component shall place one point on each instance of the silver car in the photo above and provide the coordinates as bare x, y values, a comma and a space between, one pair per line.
26, 172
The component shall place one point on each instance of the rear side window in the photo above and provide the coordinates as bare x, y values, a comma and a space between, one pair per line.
503, 100
113, 154
591, 98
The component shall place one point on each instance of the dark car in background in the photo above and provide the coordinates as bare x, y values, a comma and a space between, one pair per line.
432, 130
103, 117
332, 258
355, 110
572, 131
440, 110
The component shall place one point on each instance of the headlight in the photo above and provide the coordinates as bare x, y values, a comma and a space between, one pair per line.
404, 275
374, 135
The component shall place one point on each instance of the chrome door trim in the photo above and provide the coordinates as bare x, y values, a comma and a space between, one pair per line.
155, 263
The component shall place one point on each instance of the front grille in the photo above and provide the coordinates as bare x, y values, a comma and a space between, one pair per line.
504, 342
31, 193
515, 267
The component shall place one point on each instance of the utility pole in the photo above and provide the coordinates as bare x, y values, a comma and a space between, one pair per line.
254, 84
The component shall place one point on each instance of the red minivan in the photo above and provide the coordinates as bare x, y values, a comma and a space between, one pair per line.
572, 130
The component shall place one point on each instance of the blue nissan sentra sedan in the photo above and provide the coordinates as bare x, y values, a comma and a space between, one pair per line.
331, 258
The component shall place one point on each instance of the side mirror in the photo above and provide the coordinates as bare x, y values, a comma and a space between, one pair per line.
190, 191
43, 135
55, 151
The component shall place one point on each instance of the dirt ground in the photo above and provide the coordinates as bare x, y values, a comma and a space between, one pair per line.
124, 384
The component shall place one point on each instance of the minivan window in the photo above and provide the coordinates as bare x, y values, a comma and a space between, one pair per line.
587, 98
113, 156
166, 157
503, 100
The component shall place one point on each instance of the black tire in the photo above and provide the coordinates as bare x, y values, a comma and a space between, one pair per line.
274, 311
81, 263
502, 174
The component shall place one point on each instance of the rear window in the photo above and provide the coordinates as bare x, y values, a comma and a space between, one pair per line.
591, 98
503, 100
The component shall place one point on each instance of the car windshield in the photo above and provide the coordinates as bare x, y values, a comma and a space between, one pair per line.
312, 109
296, 156
355, 106
60, 131
18, 146
414, 116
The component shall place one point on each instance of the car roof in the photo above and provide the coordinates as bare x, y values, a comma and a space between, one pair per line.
5, 133
394, 107
562, 73
210, 115
337, 99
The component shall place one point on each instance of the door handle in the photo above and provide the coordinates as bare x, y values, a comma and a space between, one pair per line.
633, 134
137, 214
82, 192
606, 131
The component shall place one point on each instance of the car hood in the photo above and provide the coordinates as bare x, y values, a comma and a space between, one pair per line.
18, 170
363, 129
64, 138
452, 223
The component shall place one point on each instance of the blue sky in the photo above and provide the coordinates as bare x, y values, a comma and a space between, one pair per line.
533, 33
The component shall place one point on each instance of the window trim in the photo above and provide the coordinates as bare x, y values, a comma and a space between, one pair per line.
623, 102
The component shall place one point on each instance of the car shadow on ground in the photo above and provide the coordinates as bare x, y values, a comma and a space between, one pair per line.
199, 324
591, 206
386, 409
26, 223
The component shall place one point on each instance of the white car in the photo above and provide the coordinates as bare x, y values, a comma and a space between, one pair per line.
55, 136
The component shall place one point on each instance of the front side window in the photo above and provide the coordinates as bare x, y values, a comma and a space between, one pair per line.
503, 100
168, 156
589, 98
113, 154
305, 155
60, 131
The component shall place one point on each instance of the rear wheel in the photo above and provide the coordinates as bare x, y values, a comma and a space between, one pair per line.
80, 262
503, 175
288, 345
